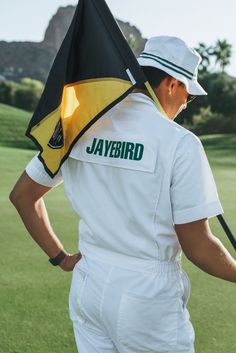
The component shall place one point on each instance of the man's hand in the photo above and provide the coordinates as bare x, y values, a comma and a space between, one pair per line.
69, 262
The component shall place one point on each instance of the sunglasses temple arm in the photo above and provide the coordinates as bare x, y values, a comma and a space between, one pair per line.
227, 230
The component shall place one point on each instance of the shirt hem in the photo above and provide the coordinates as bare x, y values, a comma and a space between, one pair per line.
196, 213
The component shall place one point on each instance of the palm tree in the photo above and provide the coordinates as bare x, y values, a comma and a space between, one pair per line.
204, 51
222, 52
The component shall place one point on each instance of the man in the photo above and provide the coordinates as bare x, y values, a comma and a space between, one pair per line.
143, 189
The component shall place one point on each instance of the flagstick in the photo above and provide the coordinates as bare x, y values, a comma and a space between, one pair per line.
154, 97
227, 230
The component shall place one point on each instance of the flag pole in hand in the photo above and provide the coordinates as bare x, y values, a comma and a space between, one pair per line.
227, 230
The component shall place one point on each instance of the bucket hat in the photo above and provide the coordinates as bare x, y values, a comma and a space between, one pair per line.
176, 58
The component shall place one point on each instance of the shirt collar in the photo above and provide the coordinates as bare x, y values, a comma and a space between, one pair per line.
140, 97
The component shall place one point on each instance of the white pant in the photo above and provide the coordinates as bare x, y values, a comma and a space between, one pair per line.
118, 309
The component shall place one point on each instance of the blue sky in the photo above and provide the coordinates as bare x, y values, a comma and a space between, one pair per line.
194, 21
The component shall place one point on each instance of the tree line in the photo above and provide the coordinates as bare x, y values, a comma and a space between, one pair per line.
216, 112
213, 113
214, 55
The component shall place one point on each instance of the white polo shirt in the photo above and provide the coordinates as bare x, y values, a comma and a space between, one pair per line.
131, 177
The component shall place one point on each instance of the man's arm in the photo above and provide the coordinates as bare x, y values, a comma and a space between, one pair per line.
27, 197
205, 250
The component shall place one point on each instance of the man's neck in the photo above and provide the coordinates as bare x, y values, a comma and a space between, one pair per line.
146, 92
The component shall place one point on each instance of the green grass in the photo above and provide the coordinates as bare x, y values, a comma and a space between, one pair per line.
34, 295
213, 302
13, 124
221, 149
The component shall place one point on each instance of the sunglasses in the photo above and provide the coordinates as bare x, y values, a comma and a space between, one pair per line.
190, 98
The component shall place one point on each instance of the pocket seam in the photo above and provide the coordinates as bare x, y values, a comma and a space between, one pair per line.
79, 294
121, 318
187, 289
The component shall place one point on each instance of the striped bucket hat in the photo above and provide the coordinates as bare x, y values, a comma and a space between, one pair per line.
175, 57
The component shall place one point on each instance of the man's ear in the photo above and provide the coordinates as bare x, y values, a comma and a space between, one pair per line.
170, 84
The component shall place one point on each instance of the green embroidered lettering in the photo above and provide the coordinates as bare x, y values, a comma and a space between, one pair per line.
107, 147
90, 149
113, 147
117, 150
122, 150
99, 148
138, 152
129, 151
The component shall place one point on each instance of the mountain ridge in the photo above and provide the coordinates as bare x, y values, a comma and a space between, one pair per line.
34, 59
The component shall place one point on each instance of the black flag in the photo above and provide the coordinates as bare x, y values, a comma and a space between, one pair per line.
93, 70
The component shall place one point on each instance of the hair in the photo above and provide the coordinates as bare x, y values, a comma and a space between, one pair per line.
154, 76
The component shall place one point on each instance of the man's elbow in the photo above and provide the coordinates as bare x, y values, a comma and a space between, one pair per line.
15, 197
20, 191
27, 192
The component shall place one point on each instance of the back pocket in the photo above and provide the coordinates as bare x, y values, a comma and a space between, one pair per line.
148, 325
78, 283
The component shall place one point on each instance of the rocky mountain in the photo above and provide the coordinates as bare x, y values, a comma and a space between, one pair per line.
58, 26
33, 59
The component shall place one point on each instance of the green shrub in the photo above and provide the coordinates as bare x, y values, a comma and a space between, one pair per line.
24, 95
209, 122
7, 92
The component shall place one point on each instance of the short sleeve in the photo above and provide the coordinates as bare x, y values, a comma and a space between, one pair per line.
193, 190
36, 171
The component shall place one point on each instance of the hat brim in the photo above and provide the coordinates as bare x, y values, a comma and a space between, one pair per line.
193, 87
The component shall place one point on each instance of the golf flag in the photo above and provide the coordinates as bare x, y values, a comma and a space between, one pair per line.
93, 70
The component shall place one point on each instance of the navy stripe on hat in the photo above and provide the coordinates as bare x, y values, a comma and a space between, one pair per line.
169, 65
